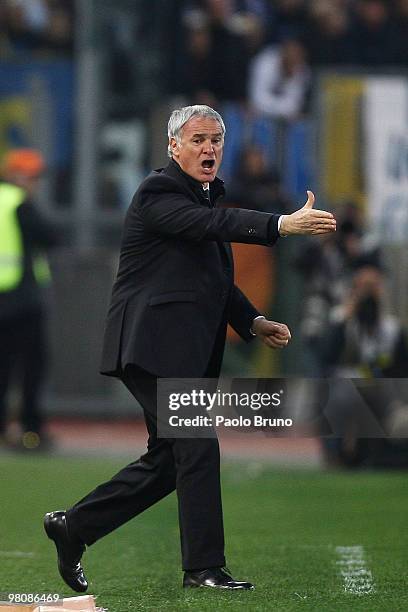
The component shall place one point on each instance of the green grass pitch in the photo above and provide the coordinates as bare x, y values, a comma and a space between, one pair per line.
282, 530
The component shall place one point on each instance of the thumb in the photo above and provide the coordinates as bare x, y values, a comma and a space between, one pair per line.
310, 200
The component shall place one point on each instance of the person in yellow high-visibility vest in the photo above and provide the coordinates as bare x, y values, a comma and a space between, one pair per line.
23, 272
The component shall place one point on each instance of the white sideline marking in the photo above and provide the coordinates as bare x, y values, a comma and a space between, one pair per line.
16, 553
358, 579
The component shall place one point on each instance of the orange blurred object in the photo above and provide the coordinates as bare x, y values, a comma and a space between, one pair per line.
255, 276
27, 162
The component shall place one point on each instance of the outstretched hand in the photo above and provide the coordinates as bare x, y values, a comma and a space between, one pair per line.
275, 335
308, 220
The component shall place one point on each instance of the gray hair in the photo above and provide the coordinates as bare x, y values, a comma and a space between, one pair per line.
180, 116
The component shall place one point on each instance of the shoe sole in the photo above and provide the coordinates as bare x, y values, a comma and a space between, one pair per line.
208, 586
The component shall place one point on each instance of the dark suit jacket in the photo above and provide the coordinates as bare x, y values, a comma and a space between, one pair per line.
175, 284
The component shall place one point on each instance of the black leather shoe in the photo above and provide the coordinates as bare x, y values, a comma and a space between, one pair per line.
69, 550
215, 577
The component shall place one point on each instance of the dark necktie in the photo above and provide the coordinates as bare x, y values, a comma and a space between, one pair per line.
207, 196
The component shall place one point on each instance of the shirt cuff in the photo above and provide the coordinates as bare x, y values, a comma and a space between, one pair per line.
279, 224
258, 317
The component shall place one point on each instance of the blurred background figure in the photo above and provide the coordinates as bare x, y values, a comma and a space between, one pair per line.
289, 19
40, 26
279, 80
363, 339
210, 40
24, 232
328, 39
328, 268
401, 31
257, 184
373, 33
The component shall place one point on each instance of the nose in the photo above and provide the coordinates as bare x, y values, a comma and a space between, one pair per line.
208, 146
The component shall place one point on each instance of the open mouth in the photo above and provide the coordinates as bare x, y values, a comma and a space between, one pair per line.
208, 163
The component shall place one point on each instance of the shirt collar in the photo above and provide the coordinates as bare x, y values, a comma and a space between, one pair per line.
216, 187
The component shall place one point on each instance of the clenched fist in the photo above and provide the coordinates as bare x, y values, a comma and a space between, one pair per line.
275, 335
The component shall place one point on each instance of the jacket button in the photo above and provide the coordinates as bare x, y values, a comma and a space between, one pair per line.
251, 230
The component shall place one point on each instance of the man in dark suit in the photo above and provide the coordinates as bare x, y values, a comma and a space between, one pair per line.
172, 300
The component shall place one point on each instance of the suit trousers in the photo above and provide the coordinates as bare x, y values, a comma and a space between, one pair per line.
189, 466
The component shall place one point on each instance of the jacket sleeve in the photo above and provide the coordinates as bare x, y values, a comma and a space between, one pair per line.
166, 210
241, 315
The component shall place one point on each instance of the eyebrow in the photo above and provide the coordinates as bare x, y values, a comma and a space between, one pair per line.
212, 135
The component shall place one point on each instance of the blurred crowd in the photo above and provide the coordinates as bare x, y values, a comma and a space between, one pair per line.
254, 60
216, 51
350, 332
265, 51
346, 320
347, 325
38, 27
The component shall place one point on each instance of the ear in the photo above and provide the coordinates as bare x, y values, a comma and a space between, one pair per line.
174, 147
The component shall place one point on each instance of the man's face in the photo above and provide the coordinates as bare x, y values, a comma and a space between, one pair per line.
199, 152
